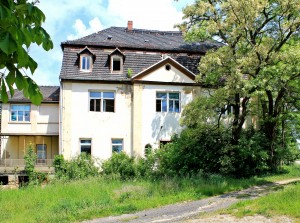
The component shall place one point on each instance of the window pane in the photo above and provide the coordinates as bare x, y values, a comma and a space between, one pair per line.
164, 105
161, 95
26, 107
117, 145
41, 151
174, 95
171, 106
109, 95
98, 103
108, 105
20, 115
177, 109
27, 117
92, 104
116, 64
13, 117
83, 62
95, 94
158, 105
85, 146
88, 63
14, 107
117, 141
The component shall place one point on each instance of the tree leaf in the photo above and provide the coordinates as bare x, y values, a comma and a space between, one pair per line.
4, 95
7, 44
11, 77
19, 80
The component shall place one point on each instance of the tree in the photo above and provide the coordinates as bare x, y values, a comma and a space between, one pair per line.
20, 26
259, 64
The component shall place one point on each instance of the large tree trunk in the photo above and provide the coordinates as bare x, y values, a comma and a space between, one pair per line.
271, 113
239, 118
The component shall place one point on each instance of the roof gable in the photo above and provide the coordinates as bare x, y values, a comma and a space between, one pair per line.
166, 70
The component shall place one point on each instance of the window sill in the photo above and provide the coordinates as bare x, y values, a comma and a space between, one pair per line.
85, 71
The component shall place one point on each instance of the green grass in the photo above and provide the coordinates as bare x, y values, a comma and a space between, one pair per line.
284, 202
99, 197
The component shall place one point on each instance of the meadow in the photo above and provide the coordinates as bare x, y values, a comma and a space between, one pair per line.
101, 196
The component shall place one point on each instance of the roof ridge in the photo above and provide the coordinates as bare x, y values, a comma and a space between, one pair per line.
148, 30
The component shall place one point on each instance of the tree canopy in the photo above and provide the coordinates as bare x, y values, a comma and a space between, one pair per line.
256, 73
20, 26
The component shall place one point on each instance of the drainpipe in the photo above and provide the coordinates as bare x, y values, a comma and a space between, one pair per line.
60, 105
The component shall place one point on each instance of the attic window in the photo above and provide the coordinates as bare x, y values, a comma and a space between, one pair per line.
168, 67
109, 37
85, 62
116, 64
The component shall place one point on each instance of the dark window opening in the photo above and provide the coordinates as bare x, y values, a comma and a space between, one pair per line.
86, 146
3, 180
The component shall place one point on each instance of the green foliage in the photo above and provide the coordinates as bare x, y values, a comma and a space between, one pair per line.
80, 167
20, 26
129, 72
120, 165
35, 178
255, 69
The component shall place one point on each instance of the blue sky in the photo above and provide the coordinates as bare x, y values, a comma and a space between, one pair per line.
72, 19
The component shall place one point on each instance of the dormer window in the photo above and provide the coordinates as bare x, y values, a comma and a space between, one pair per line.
117, 59
85, 62
117, 64
86, 59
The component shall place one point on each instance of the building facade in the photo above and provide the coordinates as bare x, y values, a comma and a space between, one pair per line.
121, 89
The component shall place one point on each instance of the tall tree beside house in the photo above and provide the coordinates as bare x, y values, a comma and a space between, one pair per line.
20, 26
257, 71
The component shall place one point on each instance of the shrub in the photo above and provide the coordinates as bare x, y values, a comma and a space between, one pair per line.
119, 165
35, 178
80, 167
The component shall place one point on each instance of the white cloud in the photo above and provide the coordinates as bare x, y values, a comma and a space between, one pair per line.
81, 30
155, 14
71, 19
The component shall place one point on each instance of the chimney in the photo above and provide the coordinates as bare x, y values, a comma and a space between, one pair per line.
129, 25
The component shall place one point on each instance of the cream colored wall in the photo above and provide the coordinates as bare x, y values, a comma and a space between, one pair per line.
44, 119
163, 75
80, 123
159, 126
14, 147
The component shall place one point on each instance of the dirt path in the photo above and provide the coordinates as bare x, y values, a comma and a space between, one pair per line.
189, 211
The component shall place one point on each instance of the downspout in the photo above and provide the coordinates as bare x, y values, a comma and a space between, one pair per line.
60, 115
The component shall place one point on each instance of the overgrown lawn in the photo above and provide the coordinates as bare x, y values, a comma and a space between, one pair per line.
99, 197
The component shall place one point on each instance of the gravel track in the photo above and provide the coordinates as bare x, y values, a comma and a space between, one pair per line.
189, 212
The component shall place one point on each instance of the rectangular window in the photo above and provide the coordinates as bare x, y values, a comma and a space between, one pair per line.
116, 64
102, 101
167, 101
86, 146
85, 63
41, 152
117, 145
20, 113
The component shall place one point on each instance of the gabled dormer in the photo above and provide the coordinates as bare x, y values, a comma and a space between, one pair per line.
86, 60
116, 61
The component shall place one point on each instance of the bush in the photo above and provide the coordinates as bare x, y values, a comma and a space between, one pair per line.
35, 178
119, 165
80, 167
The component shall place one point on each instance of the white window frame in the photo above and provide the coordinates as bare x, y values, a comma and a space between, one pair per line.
18, 111
83, 66
116, 58
81, 143
168, 100
114, 143
102, 99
